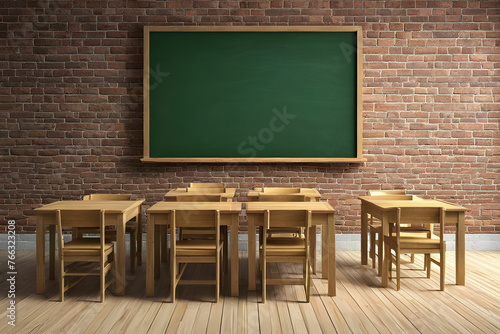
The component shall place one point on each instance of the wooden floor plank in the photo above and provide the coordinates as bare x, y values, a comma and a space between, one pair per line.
360, 306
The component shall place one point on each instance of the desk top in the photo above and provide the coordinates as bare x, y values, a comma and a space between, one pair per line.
108, 206
317, 207
417, 202
166, 207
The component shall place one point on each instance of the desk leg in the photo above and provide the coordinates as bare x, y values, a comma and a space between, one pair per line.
225, 251
52, 252
332, 274
364, 236
163, 243
157, 241
40, 255
150, 257
139, 237
251, 252
120, 256
460, 249
383, 260
324, 250
234, 256
312, 247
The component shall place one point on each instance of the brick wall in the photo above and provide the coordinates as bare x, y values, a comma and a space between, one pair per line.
71, 103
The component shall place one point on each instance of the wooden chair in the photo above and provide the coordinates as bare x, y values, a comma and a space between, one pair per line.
133, 228
183, 252
93, 250
286, 249
375, 225
400, 244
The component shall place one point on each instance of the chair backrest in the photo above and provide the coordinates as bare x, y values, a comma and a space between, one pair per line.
280, 190
206, 219
198, 185
79, 218
198, 218
206, 190
387, 192
287, 218
421, 215
399, 194
282, 198
199, 198
108, 197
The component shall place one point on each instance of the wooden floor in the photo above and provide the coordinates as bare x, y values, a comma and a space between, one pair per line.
361, 305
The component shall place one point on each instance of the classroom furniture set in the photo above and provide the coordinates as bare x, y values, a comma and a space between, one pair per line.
199, 217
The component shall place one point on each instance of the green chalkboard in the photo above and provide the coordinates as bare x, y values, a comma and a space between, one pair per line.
252, 94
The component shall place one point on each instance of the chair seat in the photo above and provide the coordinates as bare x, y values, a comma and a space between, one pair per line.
416, 243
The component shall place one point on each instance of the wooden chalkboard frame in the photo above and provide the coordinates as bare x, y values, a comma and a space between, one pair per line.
359, 100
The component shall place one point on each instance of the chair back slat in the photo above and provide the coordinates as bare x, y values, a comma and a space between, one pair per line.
280, 190
80, 218
201, 218
206, 185
288, 218
208, 191
420, 215
199, 198
108, 197
281, 198
387, 192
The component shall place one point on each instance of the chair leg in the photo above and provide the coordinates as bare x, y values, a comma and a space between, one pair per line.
398, 270
428, 260
102, 278
173, 276
217, 278
263, 283
372, 247
132, 251
388, 262
61, 286
308, 281
412, 258
442, 266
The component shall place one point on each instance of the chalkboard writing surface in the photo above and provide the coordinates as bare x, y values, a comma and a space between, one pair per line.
252, 94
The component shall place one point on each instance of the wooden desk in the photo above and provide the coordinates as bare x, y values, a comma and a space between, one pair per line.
311, 194
158, 215
118, 213
322, 215
226, 196
384, 210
